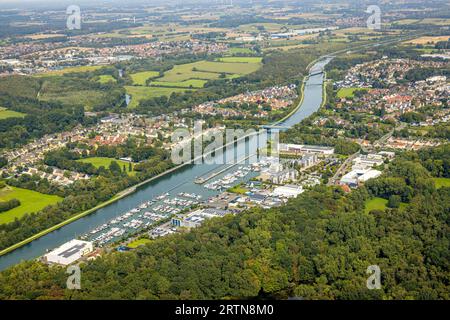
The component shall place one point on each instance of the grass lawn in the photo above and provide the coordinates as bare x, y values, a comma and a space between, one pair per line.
141, 77
136, 243
105, 162
140, 93
5, 113
238, 189
376, 204
106, 78
347, 92
31, 201
441, 182
380, 204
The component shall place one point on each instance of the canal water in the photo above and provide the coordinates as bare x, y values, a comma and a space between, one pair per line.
181, 180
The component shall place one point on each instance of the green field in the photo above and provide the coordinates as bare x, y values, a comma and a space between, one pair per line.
192, 83
31, 201
70, 70
211, 70
441, 182
141, 93
136, 243
254, 60
5, 113
377, 203
105, 162
228, 67
87, 98
140, 78
237, 50
106, 78
347, 92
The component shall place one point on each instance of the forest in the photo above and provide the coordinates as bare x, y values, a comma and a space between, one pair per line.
318, 246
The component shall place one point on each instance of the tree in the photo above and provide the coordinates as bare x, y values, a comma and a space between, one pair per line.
394, 201
114, 167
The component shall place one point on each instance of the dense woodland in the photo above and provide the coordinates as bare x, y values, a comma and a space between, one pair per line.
318, 246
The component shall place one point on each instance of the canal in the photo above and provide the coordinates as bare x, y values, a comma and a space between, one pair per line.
181, 180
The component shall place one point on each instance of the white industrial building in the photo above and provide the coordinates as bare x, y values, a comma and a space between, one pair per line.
196, 218
287, 191
368, 161
69, 252
299, 148
356, 176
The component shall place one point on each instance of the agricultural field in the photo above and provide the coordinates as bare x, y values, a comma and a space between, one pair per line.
31, 201
436, 21
5, 114
209, 70
405, 21
195, 75
105, 162
239, 50
140, 78
41, 36
270, 27
433, 21
428, 40
139, 93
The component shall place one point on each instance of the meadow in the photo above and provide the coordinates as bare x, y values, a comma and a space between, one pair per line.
192, 83
140, 78
139, 93
211, 70
377, 203
30, 201
5, 114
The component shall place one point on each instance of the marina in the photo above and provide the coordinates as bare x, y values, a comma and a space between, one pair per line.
141, 218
